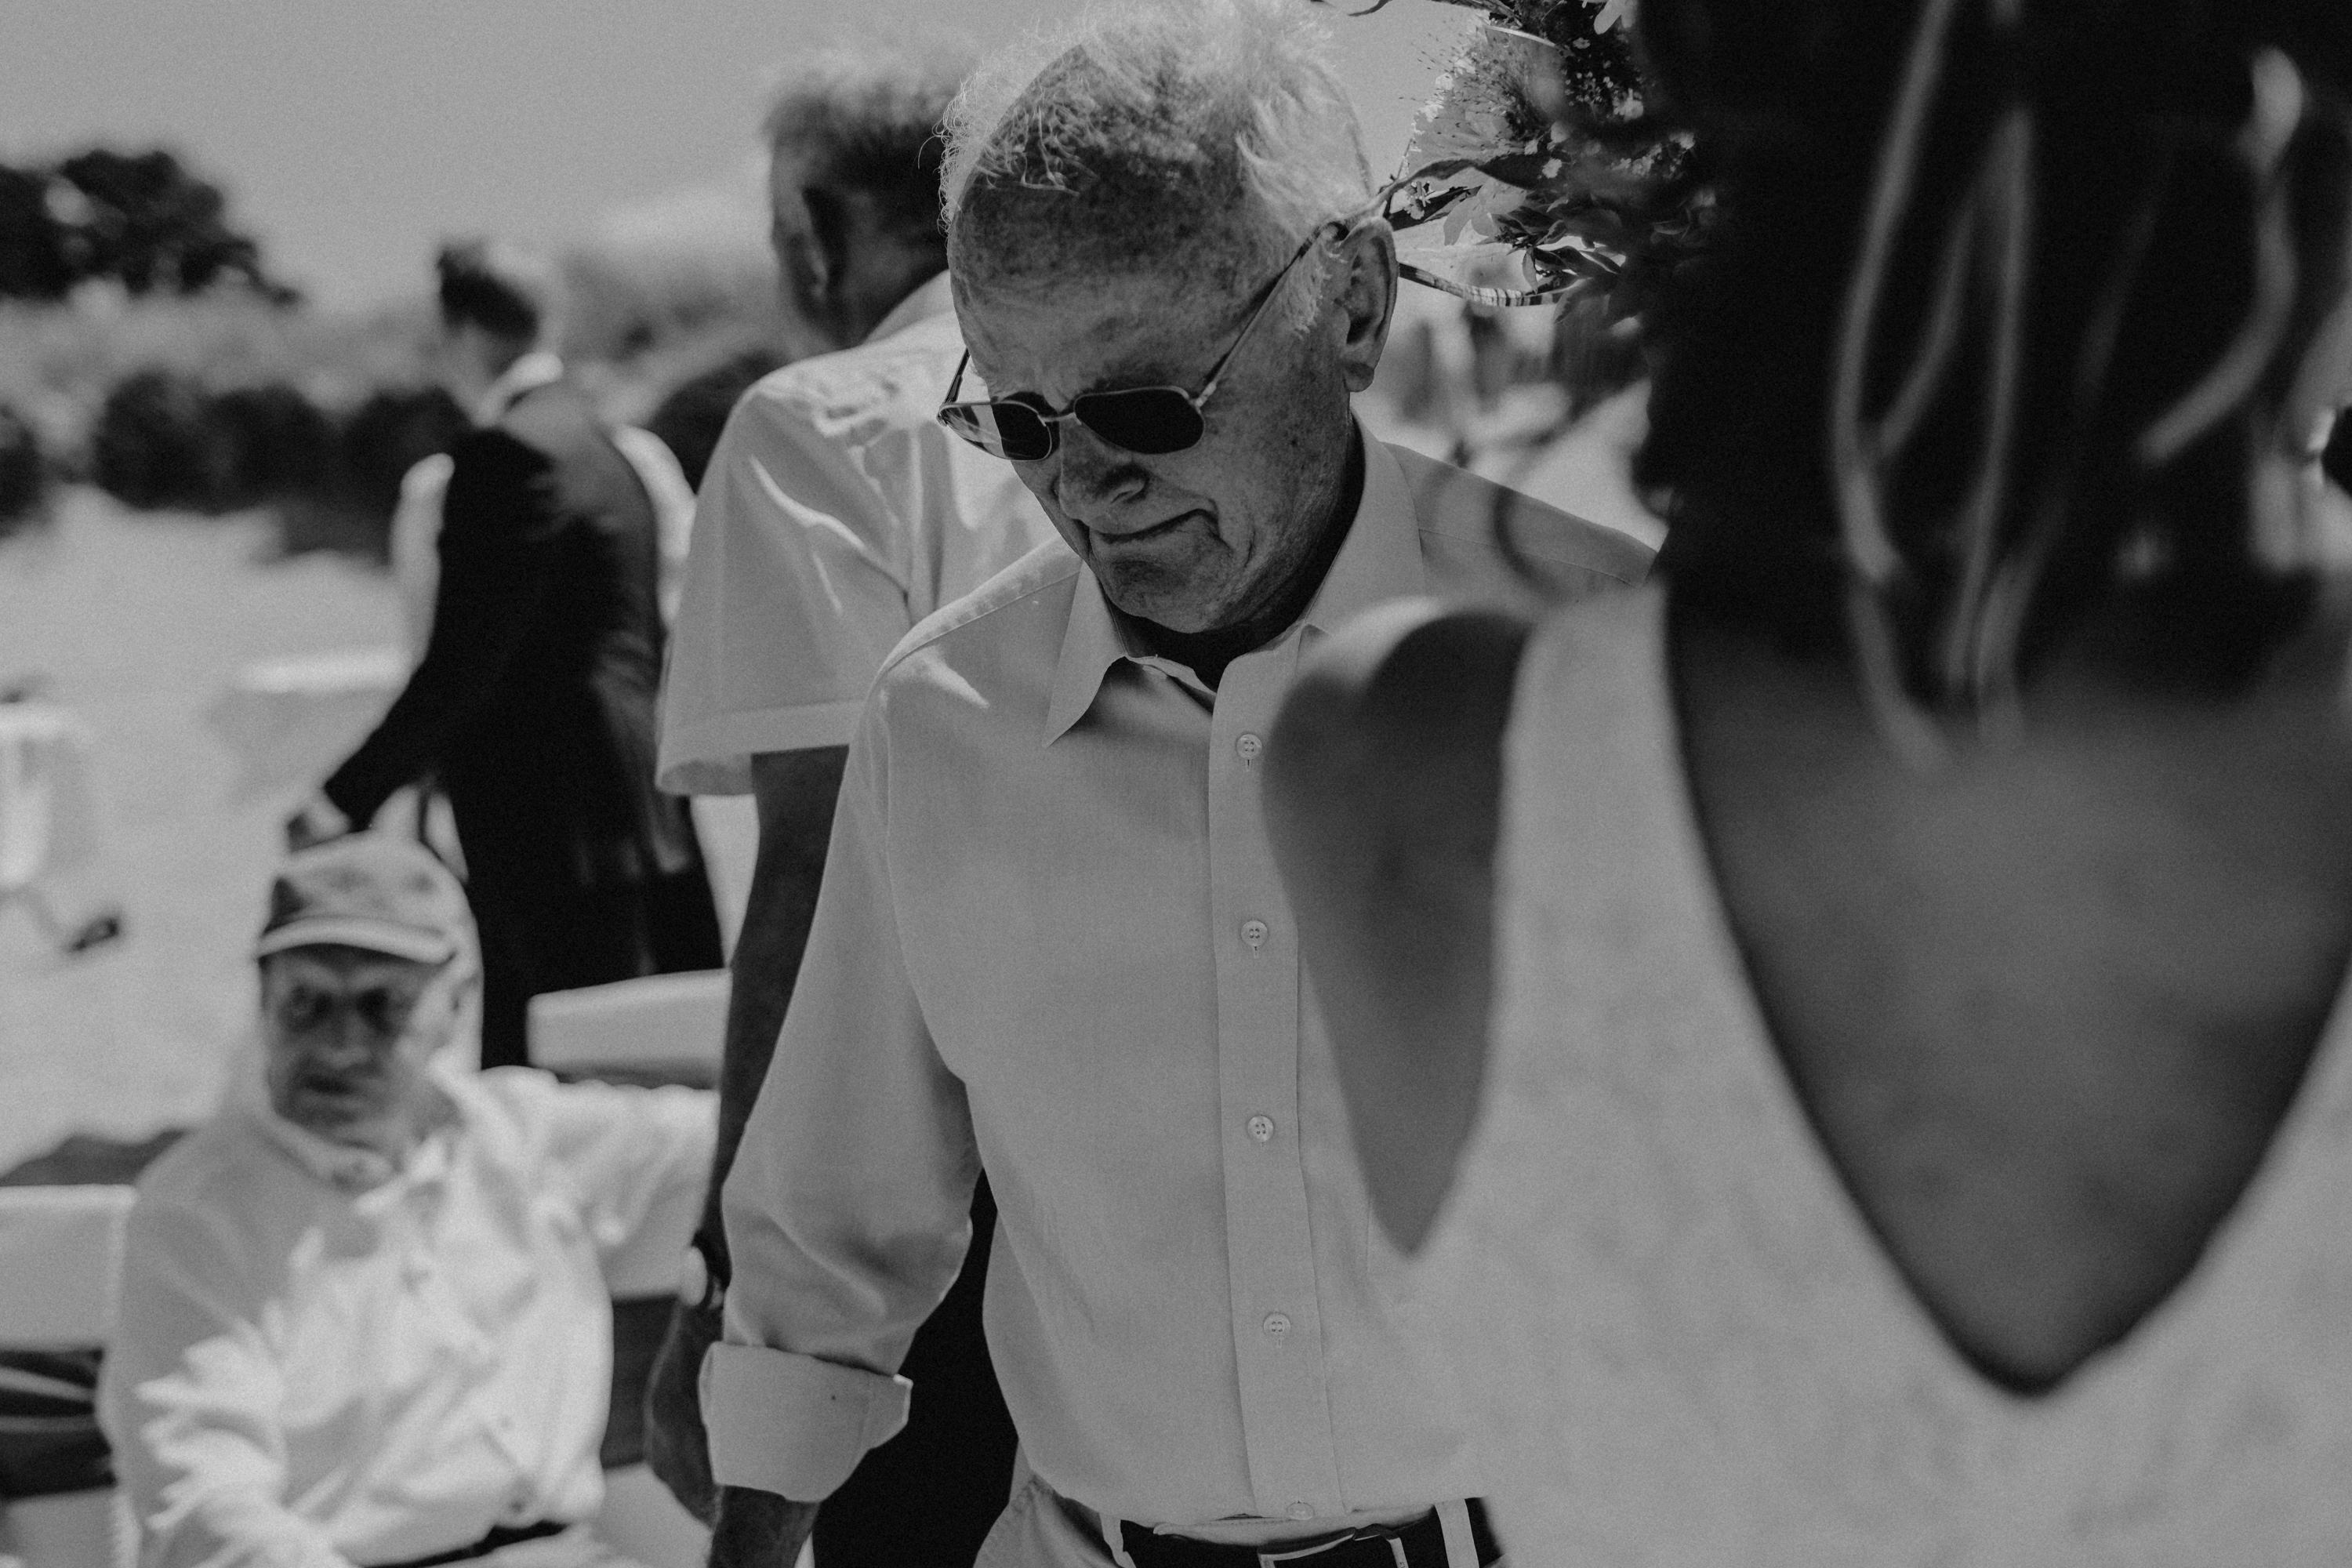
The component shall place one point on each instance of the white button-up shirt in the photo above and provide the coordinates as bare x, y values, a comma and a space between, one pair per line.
321, 1357
1052, 942
837, 513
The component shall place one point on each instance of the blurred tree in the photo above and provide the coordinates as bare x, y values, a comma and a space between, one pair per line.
155, 444
273, 443
24, 474
140, 219
33, 261
145, 221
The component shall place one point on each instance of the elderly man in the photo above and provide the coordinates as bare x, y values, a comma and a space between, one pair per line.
837, 513
1051, 942
365, 1317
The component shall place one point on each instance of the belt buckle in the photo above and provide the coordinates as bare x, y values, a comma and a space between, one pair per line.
1395, 1540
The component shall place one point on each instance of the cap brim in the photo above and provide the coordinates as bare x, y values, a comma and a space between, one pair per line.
388, 937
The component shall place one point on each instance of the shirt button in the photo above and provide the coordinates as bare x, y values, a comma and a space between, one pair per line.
1254, 932
1261, 1128
1277, 1324
1300, 1510
1249, 746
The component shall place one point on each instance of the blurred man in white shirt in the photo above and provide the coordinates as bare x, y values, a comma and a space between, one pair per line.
836, 514
365, 1317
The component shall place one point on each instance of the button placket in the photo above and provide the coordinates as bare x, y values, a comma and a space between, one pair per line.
1286, 1428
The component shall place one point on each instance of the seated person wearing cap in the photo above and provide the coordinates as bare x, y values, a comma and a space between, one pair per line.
365, 1317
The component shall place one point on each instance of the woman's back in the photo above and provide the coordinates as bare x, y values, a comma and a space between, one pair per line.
1804, 1268
1918, 1110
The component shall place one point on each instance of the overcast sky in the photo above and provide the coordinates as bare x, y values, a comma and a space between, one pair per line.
350, 134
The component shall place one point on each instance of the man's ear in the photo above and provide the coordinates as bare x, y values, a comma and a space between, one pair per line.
829, 225
1367, 299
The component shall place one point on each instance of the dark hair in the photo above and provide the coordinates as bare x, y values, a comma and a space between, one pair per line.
1948, 379
500, 293
870, 120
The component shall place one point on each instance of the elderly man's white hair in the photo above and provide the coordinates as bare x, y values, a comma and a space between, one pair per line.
1205, 137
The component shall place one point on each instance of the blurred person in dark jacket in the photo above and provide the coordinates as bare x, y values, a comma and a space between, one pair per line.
533, 703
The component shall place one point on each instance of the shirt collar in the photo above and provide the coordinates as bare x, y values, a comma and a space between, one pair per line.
933, 298
534, 370
1379, 561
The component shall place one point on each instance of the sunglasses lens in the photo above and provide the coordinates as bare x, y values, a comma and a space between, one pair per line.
1001, 429
1149, 420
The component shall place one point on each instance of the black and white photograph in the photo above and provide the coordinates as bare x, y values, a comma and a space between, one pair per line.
1176, 784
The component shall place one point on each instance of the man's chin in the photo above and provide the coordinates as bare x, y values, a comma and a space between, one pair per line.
330, 1112
1151, 593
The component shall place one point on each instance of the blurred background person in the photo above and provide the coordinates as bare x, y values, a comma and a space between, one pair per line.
365, 1317
1859, 1035
836, 514
533, 703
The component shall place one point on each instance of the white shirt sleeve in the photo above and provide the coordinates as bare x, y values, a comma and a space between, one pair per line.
796, 590
638, 1160
188, 1395
672, 497
415, 547
847, 1210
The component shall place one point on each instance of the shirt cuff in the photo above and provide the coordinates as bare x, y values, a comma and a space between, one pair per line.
793, 1424
713, 755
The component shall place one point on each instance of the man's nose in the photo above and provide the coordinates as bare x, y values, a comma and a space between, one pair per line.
349, 1044
1094, 475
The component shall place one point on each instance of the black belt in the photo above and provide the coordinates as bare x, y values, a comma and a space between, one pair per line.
500, 1535
1419, 1544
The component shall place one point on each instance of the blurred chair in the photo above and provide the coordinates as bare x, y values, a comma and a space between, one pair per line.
60, 1258
663, 1028
47, 824
289, 720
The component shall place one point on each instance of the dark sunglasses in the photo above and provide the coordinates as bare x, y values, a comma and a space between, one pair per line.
1149, 420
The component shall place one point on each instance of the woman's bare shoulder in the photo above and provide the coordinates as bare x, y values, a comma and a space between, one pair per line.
1383, 786
1409, 697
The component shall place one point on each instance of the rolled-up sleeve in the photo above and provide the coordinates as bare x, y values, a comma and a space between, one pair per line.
188, 1397
847, 1211
795, 592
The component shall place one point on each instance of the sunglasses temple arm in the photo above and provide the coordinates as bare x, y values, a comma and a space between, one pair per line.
1217, 370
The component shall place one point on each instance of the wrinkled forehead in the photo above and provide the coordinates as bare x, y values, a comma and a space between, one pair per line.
1062, 335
